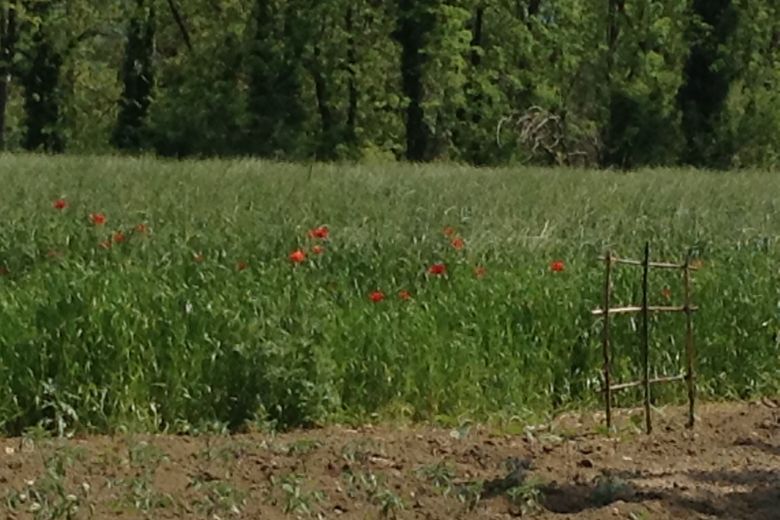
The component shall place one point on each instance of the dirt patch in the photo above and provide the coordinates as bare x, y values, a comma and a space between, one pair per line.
728, 467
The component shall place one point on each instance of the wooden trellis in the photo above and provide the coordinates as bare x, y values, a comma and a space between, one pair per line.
606, 311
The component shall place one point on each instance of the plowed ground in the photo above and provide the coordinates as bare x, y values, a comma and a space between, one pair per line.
727, 467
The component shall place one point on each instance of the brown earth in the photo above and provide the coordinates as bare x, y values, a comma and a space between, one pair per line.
728, 467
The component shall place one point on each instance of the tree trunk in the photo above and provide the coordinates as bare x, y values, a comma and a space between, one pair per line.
706, 87
277, 115
41, 97
4, 81
470, 114
177, 17
476, 36
329, 138
612, 32
137, 79
533, 7
352, 103
8, 37
413, 26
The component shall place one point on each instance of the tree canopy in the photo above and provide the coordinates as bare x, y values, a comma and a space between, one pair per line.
607, 83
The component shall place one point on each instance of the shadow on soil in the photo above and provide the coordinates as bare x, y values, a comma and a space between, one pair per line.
752, 495
722, 493
761, 445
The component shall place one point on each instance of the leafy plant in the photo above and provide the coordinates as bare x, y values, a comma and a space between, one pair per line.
526, 498
295, 499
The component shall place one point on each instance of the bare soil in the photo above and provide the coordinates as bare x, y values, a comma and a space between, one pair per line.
728, 467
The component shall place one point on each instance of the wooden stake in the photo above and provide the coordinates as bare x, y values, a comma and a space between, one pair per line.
689, 347
651, 308
653, 381
605, 346
645, 336
640, 263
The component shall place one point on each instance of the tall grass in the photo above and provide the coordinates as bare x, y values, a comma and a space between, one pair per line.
148, 335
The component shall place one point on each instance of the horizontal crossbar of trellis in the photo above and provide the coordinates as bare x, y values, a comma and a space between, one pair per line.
657, 380
660, 265
634, 309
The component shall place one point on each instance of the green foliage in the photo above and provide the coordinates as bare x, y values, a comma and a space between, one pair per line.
137, 78
571, 82
647, 60
51, 496
525, 498
709, 73
276, 104
150, 335
200, 103
751, 118
40, 78
445, 73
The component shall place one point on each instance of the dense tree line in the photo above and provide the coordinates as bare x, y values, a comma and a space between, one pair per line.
612, 83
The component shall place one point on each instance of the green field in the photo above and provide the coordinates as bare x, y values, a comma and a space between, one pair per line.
199, 319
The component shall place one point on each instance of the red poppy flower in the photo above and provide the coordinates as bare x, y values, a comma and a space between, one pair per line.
119, 237
437, 269
405, 295
241, 265
52, 253
557, 266
141, 228
376, 296
60, 204
318, 250
480, 271
458, 243
198, 257
105, 244
97, 219
449, 231
4, 271
666, 293
297, 256
319, 232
